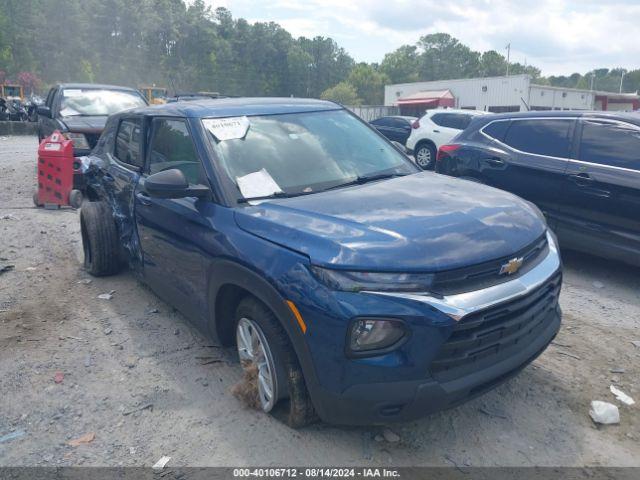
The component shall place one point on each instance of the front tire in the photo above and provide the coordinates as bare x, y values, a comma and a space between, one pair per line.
425, 156
99, 239
263, 347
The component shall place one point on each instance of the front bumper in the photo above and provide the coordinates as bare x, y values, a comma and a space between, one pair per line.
491, 335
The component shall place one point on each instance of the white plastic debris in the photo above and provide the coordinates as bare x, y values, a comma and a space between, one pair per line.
160, 464
105, 296
598, 284
620, 395
604, 412
636, 343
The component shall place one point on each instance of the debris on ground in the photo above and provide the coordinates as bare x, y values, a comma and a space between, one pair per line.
85, 281
58, 377
153, 310
107, 331
390, 436
604, 412
6, 268
636, 343
491, 413
208, 360
567, 354
160, 464
617, 370
106, 296
146, 406
621, 396
246, 390
598, 284
86, 438
131, 361
12, 436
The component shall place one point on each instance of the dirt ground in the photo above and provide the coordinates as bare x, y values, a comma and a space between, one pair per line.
148, 384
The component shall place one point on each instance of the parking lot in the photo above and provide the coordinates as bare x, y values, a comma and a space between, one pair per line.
131, 371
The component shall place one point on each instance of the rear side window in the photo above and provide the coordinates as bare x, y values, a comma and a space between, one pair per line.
614, 144
497, 130
381, 122
549, 137
459, 121
128, 142
172, 147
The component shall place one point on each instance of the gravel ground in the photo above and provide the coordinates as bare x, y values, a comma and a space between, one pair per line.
147, 384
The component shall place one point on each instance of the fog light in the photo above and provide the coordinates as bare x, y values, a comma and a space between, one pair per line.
368, 334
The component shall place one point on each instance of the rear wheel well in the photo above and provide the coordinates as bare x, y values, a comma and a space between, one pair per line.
425, 142
226, 303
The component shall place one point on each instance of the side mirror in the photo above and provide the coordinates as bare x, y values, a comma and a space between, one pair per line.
44, 111
172, 184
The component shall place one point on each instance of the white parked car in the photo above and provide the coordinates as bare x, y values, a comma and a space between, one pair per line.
435, 128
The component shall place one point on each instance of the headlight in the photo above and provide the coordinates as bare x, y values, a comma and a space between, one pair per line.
79, 140
352, 281
367, 334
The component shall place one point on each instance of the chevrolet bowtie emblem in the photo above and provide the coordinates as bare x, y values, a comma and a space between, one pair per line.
512, 266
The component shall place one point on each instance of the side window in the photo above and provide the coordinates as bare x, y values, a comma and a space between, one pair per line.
397, 123
172, 147
614, 144
497, 130
549, 137
444, 120
463, 120
128, 144
380, 122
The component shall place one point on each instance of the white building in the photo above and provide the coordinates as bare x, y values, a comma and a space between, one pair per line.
502, 94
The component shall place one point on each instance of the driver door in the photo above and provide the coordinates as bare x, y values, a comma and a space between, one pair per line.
174, 232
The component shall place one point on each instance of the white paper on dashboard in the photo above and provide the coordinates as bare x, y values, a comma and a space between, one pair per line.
71, 92
227, 128
257, 184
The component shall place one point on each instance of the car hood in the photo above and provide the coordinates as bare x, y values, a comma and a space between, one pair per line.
85, 124
423, 222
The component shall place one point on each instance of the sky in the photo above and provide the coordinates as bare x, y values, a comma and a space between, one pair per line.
558, 36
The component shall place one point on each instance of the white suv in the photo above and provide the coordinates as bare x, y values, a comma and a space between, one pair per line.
436, 128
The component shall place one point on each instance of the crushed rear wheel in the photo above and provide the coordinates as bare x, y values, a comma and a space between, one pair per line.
99, 239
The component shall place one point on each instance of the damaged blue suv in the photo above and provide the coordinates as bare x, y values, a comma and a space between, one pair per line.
357, 289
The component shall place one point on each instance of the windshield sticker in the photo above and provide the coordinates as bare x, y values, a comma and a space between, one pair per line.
72, 93
257, 184
227, 128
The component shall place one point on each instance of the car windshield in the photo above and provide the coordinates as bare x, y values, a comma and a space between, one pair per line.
302, 153
99, 102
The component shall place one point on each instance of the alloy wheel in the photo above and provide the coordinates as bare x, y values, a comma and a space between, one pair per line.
423, 157
254, 352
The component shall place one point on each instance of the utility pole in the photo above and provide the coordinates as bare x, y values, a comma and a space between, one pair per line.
508, 47
593, 76
621, 78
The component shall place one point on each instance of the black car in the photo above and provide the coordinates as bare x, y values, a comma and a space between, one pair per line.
396, 128
581, 168
80, 111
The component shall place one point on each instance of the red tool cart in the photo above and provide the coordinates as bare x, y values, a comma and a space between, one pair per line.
55, 173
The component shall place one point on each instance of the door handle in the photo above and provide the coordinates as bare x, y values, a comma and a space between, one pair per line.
436, 131
581, 179
495, 161
143, 198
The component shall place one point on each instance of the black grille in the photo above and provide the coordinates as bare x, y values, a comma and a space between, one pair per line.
488, 337
486, 274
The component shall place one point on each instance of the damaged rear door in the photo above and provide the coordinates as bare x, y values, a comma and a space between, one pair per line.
122, 174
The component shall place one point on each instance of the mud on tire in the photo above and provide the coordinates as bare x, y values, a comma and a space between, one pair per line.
99, 239
294, 407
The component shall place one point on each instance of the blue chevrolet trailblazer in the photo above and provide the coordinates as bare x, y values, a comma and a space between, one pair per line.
357, 288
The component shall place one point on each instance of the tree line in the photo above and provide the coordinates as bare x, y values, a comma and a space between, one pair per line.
192, 47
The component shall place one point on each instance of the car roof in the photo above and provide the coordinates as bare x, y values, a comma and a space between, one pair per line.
632, 117
433, 111
232, 107
96, 86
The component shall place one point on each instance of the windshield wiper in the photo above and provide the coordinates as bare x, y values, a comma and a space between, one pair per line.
360, 180
274, 195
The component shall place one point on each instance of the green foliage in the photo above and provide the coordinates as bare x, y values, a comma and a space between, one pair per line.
187, 46
368, 83
343, 93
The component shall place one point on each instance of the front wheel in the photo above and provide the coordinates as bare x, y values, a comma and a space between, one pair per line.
425, 156
273, 380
